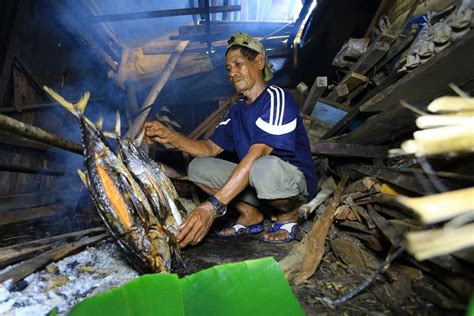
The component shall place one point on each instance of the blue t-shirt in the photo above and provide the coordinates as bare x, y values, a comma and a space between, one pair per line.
272, 119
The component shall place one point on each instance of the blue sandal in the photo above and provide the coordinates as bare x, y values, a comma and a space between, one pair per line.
289, 227
242, 230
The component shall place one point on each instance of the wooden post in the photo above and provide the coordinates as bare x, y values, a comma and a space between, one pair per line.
317, 89
155, 90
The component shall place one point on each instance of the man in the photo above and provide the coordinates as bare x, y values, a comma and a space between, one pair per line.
265, 130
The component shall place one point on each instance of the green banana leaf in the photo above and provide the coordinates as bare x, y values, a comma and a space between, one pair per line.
253, 287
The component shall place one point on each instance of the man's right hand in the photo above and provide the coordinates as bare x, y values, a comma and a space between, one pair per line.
156, 131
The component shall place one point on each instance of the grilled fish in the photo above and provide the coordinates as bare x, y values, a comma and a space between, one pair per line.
120, 201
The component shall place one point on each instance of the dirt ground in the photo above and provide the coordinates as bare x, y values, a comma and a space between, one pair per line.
406, 288
402, 290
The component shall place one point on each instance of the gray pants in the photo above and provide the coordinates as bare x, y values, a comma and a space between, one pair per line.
270, 178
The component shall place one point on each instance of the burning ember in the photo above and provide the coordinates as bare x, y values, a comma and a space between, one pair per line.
64, 283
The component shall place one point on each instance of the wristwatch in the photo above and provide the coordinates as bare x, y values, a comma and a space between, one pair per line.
219, 207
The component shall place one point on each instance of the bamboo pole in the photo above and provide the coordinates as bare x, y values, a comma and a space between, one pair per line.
155, 90
36, 133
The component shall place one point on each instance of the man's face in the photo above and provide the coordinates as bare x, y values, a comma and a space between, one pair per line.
243, 73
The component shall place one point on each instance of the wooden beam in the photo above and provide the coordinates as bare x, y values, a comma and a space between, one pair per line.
17, 141
17, 216
160, 14
29, 266
32, 81
317, 89
430, 80
20, 252
155, 90
35, 133
412, 180
70, 22
374, 54
30, 170
213, 118
28, 200
297, 25
320, 148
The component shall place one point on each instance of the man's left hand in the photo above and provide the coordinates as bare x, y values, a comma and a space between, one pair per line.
196, 225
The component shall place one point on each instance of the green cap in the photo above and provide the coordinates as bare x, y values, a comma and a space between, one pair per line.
243, 39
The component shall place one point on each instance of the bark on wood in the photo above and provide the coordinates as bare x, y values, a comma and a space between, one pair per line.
35, 133
155, 90
305, 257
16, 253
27, 267
387, 229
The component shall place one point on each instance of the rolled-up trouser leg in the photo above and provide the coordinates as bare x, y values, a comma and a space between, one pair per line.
273, 178
214, 172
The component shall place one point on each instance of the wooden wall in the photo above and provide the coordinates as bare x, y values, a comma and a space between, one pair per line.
36, 50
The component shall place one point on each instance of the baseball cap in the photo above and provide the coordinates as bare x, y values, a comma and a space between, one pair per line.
244, 39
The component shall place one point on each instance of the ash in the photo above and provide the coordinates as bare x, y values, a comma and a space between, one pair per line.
64, 283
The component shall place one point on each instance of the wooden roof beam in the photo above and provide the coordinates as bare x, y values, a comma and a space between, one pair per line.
160, 13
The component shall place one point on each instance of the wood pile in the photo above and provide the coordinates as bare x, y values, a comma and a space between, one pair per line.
361, 230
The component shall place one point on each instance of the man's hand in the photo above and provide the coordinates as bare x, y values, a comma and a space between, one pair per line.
196, 225
158, 132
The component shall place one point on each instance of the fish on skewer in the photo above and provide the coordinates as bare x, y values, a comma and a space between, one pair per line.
151, 176
155, 188
120, 201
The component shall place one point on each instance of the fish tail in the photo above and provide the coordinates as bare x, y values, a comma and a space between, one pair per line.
76, 109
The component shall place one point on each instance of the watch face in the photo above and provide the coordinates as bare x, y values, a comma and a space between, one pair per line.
221, 210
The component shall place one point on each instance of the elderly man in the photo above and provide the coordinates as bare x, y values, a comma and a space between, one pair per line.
265, 130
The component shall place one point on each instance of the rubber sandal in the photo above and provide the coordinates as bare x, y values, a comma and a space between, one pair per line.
242, 230
289, 227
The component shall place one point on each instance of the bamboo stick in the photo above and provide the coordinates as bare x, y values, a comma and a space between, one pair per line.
436, 242
440, 207
440, 140
36, 133
451, 104
156, 89
430, 121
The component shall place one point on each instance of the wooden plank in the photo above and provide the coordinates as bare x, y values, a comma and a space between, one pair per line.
14, 40
27, 267
414, 181
374, 54
28, 200
386, 228
392, 123
35, 133
19, 252
155, 90
317, 89
23, 215
31, 170
321, 148
160, 14
17, 141
431, 79
74, 26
